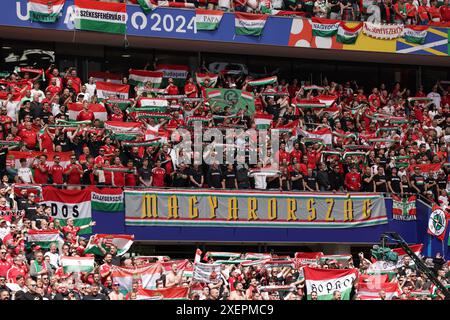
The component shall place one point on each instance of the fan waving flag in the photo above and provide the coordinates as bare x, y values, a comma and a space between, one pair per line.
146, 275
100, 16
107, 199
371, 291
248, 24
323, 134
263, 121
139, 77
263, 81
348, 35
201, 78
177, 72
324, 27
122, 242
415, 34
77, 264
437, 224
106, 90
326, 281
404, 208
45, 10
173, 293
207, 19
147, 5
43, 238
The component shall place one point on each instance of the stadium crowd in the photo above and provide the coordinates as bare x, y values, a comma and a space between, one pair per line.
420, 12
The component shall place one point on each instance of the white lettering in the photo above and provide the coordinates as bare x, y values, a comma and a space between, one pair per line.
134, 20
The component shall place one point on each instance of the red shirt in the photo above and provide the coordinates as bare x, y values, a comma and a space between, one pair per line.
74, 176
172, 89
434, 12
57, 171
423, 12
85, 115
130, 180
353, 181
29, 138
39, 176
116, 117
445, 13
46, 142
283, 155
297, 154
5, 265
158, 175
99, 160
73, 230
119, 177
374, 97
108, 177
189, 87
53, 89
103, 269
76, 83
14, 271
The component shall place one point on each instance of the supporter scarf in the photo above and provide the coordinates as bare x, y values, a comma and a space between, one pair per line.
10, 143
146, 143
30, 70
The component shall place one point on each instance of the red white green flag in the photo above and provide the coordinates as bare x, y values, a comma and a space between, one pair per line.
404, 208
122, 242
173, 293
307, 258
146, 276
177, 72
147, 5
100, 16
107, 199
107, 90
201, 77
324, 27
326, 99
77, 264
98, 109
45, 10
100, 76
43, 238
371, 291
415, 34
323, 134
326, 281
310, 104
416, 248
348, 35
207, 19
249, 24
263, 81
263, 121
13, 158
438, 223
123, 127
140, 77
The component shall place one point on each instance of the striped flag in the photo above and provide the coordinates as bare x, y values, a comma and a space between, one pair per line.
201, 77
307, 258
207, 19
13, 158
43, 238
326, 99
153, 105
308, 104
177, 72
324, 27
348, 35
147, 5
100, 16
145, 275
263, 121
106, 77
415, 34
66, 204
123, 127
247, 96
263, 81
139, 77
323, 134
106, 90
45, 10
221, 254
404, 208
325, 281
122, 242
206, 273
98, 109
77, 264
416, 248
173, 293
249, 24
371, 291
214, 94
107, 199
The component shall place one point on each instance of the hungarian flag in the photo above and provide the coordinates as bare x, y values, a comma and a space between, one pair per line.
257, 256
325, 281
123, 104
263, 81
123, 127
145, 275
43, 238
348, 35
415, 34
201, 77
404, 208
45, 10
341, 259
416, 248
98, 109
139, 77
327, 100
152, 104
221, 254
206, 273
77, 264
173, 293
13, 158
100, 16
324, 27
437, 224
249, 24
263, 121
177, 72
248, 96
106, 77
106, 90
173, 4
66, 204
307, 258
147, 5
122, 242
323, 134
207, 19
383, 268
310, 104
107, 199
371, 291
426, 168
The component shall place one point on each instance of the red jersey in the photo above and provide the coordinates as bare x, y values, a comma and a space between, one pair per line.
191, 87
445, 13
74, 176
99, 160
73, 230
85, 116
434, 13
116, 117
29, 138
53, 89
423, 12
158, 175
172, 90
5, 265
283, 155
104, 268
14, 271
297, 154
46, 142
130, 180
353, 181
57, 171
40, 177
118, 178
76, 83
108, 177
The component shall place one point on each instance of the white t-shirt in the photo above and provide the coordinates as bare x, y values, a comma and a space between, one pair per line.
39, 92
25, 174
90, 88
11, 109
55, 109
54, 258
436, 98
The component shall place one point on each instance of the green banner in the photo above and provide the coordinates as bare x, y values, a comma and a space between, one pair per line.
234, 98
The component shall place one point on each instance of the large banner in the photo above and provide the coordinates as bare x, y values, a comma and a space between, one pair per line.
252, 209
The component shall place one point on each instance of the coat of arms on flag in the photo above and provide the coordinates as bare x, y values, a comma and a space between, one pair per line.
404, 208
437, 224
